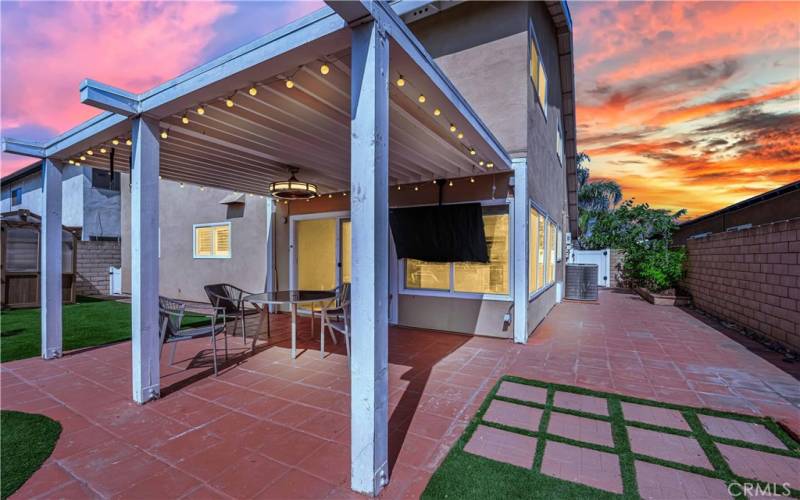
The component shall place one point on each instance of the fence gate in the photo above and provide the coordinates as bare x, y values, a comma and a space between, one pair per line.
600, 257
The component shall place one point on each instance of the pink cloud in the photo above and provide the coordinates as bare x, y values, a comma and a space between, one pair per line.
132, 45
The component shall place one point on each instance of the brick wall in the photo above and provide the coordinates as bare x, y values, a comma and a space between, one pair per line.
750, 277
94, 259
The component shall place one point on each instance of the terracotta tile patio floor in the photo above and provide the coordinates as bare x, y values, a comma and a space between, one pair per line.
270, 428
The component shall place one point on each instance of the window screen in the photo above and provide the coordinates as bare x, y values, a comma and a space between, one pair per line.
16, 196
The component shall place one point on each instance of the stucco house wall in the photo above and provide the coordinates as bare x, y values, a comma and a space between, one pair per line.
182, 276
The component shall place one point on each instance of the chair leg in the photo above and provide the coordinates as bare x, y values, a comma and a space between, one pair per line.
172, 354
347, 343
214, 350
268, 327
226, 344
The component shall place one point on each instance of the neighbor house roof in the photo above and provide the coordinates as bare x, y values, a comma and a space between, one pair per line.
788, 188
33, 168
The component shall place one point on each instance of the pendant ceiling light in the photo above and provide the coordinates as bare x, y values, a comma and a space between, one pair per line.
293, 189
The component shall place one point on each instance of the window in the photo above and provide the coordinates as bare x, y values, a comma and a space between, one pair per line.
559, 143
544, 251
101, 179
559, 246
212, 241
469, 277
538, 75
16, 196
551, 253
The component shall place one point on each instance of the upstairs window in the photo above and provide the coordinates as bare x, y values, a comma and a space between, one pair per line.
101, 179
16, 197
212, 241
537, 72
560, 143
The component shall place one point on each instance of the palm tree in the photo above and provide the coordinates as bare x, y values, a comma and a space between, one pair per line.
594, 196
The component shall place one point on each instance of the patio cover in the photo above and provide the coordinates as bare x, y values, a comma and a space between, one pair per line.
352, 129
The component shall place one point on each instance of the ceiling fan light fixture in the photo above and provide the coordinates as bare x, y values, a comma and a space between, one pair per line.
293, 189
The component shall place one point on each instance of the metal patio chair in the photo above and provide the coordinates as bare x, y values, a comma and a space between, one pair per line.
335, 316
231, 299
170, 316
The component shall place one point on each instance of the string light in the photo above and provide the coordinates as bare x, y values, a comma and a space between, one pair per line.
421, 98
289, 84
202, 188
164, 134
416, 188
77, 164
159, 177
480, 163
83, 158
185, 120
472, 152
472, 180
115, 142
324, 69
103, 150
400, 81
253, 91
90, 152
460, 135
229, 102
437, 112
434, 181
344, 194
450, 183
72, 162
489, 165
452, 128
330, 195
398, 187
201, 110
128, 142
181, 185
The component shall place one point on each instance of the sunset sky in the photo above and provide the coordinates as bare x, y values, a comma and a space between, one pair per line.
686, 104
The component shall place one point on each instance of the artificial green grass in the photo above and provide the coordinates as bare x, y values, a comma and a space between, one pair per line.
90, 322
26, 440
464, 476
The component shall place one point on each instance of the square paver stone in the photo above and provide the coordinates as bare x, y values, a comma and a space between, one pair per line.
582, 465
654, 415
502, 446
768, 467
743, 431
523, 392
522, 417
657, 482
680, 449
588, 430
588, 404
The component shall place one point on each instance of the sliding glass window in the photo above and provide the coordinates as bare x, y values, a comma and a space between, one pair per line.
469, 277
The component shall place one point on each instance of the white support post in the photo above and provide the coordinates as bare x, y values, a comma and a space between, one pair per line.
50, 269
144, 260
269, 281
369, 212
521, 249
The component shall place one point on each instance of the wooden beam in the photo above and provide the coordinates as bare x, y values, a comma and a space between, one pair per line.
109, 98
521, 249
369, 212
145, 330
23, 148
50, 260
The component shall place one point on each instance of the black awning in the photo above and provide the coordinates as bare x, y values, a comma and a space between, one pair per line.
446, 233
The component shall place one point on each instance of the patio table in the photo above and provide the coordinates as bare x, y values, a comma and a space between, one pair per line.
292, 298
